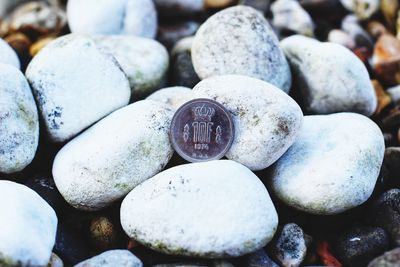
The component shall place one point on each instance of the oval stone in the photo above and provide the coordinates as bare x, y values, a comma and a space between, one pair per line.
266, 119
109, 159
28, 227
188, 210
75, 84
329, 77
333, 165
19, 122
132, 17
144, 61
239, 40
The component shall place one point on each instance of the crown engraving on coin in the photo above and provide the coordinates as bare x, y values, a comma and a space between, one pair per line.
202, 130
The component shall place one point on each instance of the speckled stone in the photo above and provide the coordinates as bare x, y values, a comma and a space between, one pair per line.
143, 60
329, 77
333, 165
290, 247
173, 96
75, 84
239, 40
8, 55
19, 122
389, 259
357, 246
187, 210
112, 258
266, 119
132, 17
28, 227
109, 159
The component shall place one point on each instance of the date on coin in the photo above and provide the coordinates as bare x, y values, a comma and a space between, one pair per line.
202, 130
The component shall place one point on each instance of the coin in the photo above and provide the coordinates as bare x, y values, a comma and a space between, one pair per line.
202, 130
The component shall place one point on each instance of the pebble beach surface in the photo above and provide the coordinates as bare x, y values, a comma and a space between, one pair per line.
91, 90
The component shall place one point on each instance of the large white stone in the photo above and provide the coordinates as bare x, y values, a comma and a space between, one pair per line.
8, 55
210, 209
19, 122
28, 227
145, 61
266, 119
239, 40
75, 84
132, 17
109, 159
332, 166
329, 77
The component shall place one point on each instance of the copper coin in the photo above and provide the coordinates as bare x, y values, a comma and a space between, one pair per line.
202, 130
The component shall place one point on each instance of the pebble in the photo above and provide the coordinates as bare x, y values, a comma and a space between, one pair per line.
290, 247
239, 40
167, 212
182, 69
330, 77
307, 176
144, 61
35, 48
392, 119
389, 259
267, 121
8, 55
357, 246
37, 18
170, 33
173, 96
289, 15
384, 213
389, 9
383, 98
68, 100
376, 29
55, 261
103, 233
108, 17
342, 38
385, 60
351, 25
19, 123
394, 93
179, 7
28, 227
259, 259
112, 258
109, 159
364, 9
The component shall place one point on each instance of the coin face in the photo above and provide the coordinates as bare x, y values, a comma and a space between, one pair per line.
202, 130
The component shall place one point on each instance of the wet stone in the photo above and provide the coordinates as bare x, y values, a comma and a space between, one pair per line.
384, 213
357, 246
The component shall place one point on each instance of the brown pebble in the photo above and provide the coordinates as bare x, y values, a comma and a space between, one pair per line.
389, 9
218, 3
386, 58
38, 45
376, 29
103, 233
383, 98
20, 42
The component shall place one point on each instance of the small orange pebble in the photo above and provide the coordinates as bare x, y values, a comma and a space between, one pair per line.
323, 251
384, 98
37, 46
386, 58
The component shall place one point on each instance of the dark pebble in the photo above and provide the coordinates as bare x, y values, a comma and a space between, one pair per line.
183, 73
359, 245
385, 212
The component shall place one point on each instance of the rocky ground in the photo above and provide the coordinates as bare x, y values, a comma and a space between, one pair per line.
88, 175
